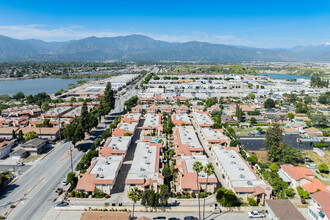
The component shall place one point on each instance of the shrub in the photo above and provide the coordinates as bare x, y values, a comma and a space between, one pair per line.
201, 194
193, 195
252, 201
323, 168
12, 206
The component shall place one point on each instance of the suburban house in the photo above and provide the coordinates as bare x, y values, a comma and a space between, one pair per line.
43, 132
319, 206
213, 108
145, 170
283, 209
100, 175
34, 146
186, 180
5, 148
301, 176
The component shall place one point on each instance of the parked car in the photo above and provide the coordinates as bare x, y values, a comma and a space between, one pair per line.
159, 217
61, 204
256, 214
173, 218
64, 183
307, 159
190, 218
20, 164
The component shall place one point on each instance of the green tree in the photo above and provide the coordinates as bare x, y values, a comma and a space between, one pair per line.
301, 108
46, 122
319, 120
253, 120
135, 195
209, 170
253, 159
251, 96
226, 197
167, 173
235, 142
20, 135
198, 167
109, 96
273, 166
30, 135
323, 168
289, 192
45, 106
164, 194
252, 201
273, 140
83, 118
71, 178
269, 103
19, 96
290, 115
324, 99
13, 135
308, 99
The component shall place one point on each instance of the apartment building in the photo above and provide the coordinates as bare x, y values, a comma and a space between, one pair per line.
101, 175
319, 206
240, 177
214, 137
115, 146
131, 117
186, 142
152, 124
145, 170
202, 120
124, 128
186, 180
180, 119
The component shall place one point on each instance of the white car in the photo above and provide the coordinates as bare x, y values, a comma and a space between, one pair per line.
256, 214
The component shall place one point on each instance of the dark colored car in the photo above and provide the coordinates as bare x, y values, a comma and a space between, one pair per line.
307, 159
159, 217
61, 204
190, 218
173, 218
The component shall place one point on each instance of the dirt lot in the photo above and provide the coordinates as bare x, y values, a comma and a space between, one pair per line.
261, 154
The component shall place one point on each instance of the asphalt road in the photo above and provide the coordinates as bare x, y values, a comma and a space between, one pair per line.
53, 170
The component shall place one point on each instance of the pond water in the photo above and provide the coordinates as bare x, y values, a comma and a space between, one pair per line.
34, 86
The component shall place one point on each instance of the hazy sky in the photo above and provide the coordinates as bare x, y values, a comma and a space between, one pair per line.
256, 23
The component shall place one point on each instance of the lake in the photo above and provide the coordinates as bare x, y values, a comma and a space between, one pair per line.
283, 76
34, 86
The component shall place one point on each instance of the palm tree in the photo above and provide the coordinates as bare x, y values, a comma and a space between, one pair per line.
209, 170
135, 195
198, 167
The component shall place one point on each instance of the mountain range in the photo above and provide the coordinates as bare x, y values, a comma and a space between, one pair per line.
143, 48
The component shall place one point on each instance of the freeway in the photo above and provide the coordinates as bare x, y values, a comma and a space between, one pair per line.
52, 170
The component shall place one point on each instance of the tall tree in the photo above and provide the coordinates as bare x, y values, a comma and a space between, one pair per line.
135, 195
20, 135
84, 117
13, 135
198, 167
209, 170
273, 141
164, 194
109, 96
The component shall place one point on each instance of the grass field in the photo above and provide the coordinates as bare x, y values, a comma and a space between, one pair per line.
318, 159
